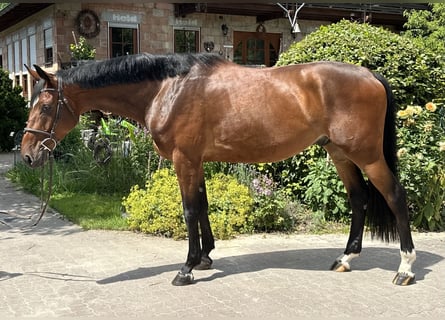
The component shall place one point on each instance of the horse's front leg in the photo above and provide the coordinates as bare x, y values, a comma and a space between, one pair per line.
208, 242
189, 175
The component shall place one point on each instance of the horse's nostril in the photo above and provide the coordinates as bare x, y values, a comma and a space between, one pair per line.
27, 159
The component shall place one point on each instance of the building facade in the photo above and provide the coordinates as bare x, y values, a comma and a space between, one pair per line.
250, 34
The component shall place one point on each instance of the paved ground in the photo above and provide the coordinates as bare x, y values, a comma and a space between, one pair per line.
60, 270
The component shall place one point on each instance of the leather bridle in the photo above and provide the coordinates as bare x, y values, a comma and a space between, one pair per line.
51, 135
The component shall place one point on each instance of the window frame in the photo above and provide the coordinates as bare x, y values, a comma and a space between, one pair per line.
136, 35
48, 44
197, 41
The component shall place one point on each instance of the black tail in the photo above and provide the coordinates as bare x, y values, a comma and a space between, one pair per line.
380, 219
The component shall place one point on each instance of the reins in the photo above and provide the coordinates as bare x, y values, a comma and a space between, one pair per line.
50, 137
43, 202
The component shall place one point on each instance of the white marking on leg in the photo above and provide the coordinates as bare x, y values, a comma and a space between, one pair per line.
407, 260
346, 258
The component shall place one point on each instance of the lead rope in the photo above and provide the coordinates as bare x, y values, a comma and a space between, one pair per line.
43, 202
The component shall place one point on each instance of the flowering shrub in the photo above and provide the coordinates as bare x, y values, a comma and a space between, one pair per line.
421, 155
230, 204
158, 210
82, 50
272, 207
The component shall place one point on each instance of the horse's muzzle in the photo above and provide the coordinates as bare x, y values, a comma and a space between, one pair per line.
35, 161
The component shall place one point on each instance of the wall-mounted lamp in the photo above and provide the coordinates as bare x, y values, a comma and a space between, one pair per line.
209, 46
225, 29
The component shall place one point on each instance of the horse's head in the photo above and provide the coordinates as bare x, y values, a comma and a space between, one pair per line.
50, 118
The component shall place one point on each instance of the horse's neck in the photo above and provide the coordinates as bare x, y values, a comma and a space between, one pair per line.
129, 101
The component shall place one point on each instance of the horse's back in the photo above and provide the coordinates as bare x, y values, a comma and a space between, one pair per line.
239, 114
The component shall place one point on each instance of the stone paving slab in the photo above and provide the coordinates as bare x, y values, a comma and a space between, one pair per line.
59, 270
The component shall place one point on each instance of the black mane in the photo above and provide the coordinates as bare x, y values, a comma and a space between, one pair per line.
135, 68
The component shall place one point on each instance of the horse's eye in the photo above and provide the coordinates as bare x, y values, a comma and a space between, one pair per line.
46, 108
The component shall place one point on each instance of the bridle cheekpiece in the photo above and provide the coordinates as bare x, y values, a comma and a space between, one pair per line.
51, 135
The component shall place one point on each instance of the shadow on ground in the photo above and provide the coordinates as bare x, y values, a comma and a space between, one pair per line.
301, 259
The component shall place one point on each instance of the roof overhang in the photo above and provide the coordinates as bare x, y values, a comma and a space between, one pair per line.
16, 12
379, 13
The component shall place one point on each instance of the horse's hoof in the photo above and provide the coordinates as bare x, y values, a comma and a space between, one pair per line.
206, 264
403, 279
183, 279
339, 266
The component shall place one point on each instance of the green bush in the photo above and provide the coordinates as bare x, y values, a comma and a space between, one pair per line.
413, 70
157, 209
12, 109
422, 157
230, 204
325, 191
428, 25
273, 208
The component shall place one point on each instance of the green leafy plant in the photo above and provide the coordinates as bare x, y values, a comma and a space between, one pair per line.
12, 109
82, 50
414, 71
230, 204
273, 209
429, 25
325, 192
157, 209
422, 156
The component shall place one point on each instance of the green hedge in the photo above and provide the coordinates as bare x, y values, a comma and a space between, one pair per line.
415, 72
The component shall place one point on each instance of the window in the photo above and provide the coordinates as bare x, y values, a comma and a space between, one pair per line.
17, 56
10, 58
256, 48
48, 39
123, 41
186, 40
32, 50
24, 54
24, 85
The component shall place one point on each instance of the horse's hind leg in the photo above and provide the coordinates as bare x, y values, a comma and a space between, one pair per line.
356, 188
389, 187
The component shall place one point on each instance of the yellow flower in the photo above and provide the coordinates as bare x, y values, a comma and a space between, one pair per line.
431, 107
401, 152
403, 114
428, 127
441, 145
412, 110
410, 122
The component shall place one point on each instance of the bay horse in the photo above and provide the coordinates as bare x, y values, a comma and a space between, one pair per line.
202, 108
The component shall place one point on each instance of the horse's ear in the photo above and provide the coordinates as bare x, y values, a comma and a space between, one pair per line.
42, 74
34, 74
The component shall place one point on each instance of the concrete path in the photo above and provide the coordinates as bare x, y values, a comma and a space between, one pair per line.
59, 270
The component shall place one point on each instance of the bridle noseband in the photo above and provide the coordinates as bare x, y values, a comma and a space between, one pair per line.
51, 135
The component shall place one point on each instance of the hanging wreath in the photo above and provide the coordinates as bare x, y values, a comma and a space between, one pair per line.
88, 24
